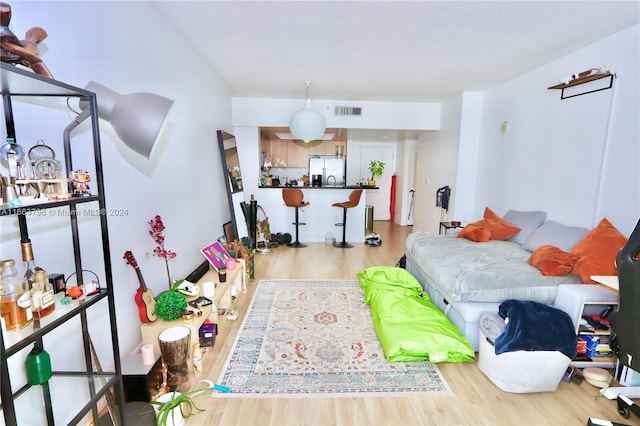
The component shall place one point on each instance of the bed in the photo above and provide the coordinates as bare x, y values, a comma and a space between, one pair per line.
465, 278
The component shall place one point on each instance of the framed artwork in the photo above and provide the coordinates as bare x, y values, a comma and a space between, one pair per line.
216, 254
229, 232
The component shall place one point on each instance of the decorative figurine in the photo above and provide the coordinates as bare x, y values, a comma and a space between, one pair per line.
80, 182
197, 359
23, 52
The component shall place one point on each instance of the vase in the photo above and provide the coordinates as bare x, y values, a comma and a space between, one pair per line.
231, 264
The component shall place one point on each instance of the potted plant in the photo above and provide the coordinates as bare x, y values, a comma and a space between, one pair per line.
173, 407
376, 167
170, 304
238, 249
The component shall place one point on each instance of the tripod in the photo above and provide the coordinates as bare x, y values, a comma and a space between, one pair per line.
413, 193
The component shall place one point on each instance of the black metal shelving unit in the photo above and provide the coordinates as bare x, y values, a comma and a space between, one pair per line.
17, 82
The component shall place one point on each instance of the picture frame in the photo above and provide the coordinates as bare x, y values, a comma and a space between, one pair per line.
229, 232
216, 254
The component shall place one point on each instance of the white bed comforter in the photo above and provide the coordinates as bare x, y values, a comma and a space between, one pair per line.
494, 271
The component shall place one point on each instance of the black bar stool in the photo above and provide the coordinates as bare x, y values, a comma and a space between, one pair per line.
293, 198
354, 199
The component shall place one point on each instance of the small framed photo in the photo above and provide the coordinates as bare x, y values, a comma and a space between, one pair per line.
216, 254
229, 232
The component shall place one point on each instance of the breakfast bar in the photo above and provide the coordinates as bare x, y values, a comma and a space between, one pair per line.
320, 217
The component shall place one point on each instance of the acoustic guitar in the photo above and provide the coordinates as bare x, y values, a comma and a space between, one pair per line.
144, 297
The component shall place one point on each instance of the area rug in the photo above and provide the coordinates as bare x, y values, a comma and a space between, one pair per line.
316, 338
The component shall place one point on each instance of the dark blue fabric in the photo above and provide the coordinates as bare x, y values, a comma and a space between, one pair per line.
534, 326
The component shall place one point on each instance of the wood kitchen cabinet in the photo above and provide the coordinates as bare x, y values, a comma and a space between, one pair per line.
327, 148
317, 148
298, 154
280, 153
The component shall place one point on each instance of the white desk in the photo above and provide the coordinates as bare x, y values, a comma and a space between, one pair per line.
610, 281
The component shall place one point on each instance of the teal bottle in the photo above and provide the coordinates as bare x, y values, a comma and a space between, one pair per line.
38, 366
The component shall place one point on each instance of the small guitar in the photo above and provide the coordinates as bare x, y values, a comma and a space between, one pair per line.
144, 297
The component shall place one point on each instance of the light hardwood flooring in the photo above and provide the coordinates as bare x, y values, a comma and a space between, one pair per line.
476, 401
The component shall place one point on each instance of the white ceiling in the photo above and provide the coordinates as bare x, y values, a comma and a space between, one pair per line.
425, 51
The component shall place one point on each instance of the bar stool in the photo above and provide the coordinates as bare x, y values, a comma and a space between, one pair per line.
293, 198
354, 199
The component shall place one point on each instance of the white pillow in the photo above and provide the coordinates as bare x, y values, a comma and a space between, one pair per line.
526, 221
555, 234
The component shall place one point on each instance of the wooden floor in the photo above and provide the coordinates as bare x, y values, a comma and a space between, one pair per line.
476, 400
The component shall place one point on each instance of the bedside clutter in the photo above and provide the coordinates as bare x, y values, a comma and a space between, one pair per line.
529, 348
526, 348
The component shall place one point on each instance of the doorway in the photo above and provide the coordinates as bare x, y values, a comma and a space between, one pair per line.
380, 199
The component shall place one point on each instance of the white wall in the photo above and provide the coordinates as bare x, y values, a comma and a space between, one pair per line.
378, 119
130, 46
437, 166
575, 158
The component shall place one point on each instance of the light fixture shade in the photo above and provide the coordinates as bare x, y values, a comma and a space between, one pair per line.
307, 124
137, 118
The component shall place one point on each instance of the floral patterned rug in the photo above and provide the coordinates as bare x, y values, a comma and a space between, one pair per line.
316, 338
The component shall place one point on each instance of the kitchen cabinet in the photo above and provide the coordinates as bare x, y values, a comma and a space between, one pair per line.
317, 148
332, 148
68, 397
298, 154
328, 148
280, 153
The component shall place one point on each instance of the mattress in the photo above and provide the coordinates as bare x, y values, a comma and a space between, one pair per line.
492, 271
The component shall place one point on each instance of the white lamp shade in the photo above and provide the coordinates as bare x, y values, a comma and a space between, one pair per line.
307, 124
137, 118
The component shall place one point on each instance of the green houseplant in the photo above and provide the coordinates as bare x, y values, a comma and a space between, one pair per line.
170, 304
376, 167
172, 408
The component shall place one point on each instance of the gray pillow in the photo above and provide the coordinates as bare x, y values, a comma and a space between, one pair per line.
526, 221
555, 234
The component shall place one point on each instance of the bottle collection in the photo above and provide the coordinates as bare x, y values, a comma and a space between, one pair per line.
24, 296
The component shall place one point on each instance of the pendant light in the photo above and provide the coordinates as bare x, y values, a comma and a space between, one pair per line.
307, 124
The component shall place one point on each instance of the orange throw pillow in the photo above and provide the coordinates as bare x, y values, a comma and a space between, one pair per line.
597, 251
552, 261
500, 229
475, 231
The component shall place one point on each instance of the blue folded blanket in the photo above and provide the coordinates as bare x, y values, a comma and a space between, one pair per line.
534, 326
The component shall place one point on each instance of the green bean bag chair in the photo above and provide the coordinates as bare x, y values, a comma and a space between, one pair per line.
407, 324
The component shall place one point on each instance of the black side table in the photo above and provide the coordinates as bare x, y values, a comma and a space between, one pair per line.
449, 225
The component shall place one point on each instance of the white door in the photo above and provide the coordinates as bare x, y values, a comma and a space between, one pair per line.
380, 199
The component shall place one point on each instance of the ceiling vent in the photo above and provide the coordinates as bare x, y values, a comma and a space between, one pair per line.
347, 110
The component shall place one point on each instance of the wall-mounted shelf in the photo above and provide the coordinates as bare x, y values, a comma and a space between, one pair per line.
582, 78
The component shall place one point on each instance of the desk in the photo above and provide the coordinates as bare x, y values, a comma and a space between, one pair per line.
222, 299
609, 281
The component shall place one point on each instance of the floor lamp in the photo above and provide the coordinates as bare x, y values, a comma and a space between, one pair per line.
137, 118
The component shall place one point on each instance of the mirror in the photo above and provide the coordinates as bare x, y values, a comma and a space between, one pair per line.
233, 179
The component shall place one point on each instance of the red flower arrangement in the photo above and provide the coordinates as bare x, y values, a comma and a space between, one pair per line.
157, 226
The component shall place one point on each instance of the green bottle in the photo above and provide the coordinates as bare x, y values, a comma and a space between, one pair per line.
38, 366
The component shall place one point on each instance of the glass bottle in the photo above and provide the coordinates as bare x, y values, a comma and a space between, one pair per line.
15, 303
42, 301
29, 263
